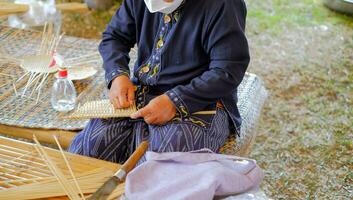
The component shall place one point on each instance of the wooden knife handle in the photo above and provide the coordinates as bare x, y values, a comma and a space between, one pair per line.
135, 157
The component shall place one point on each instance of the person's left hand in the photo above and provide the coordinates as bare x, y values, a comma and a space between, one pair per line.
158, 111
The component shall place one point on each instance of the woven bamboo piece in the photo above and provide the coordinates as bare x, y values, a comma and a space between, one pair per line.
100, 109
80, 72
38, 64
25, 175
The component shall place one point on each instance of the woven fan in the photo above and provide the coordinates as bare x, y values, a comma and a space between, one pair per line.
100, 109
38, 64
80, 72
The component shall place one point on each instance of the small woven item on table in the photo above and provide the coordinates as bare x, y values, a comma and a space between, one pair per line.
38, 64
79, 72
100, 109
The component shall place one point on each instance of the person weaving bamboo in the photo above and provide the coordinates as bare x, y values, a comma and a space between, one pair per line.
192, 55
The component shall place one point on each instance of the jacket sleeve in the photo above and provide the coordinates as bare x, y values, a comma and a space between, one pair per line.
118, 39
225, 42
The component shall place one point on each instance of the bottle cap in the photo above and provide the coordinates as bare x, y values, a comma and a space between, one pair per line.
63, 73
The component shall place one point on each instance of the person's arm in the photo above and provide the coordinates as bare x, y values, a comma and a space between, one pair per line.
227, 46
118, 39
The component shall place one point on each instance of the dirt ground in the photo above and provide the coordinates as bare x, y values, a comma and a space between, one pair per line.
304, 54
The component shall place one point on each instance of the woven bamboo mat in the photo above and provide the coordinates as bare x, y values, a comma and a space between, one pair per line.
24, 173
24, 112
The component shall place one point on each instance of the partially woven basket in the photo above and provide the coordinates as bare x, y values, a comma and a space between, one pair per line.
100, 109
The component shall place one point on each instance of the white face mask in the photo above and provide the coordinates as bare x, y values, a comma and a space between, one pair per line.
162, 6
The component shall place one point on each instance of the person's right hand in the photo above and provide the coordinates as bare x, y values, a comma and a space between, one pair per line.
122, 92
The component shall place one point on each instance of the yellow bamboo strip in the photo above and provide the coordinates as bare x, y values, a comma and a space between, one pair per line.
15, 184
23, 181
56, 172
89, 183
22, 160
43, 38
38, 169
72, 7
7, 8
69, 167
206, 112
21, 171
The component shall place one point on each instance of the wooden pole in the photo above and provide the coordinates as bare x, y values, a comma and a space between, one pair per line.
43, 135
9, 8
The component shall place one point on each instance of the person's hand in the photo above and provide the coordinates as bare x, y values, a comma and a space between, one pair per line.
158, 111
122, 92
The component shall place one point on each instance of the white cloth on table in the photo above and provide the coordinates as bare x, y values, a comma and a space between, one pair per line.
198, 175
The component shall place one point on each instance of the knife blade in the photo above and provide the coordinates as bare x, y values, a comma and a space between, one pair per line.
108, 187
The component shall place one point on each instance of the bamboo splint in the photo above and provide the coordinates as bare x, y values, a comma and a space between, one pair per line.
8, 8
24, 174
104, 109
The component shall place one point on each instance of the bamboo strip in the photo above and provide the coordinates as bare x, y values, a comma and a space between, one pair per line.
33, 180
3, 85
8, 8
22, 161
69, 167
56, 172
85, 62
206, 112
89, 182
56, 159
26, 171
20, 154
104, 109
10, 92
9, 75
11, 176
83, 57
20, 172
72, 7
43, 38
14, 188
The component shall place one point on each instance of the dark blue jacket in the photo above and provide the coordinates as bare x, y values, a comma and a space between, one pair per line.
203, 59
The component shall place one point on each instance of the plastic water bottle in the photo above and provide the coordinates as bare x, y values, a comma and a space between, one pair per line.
63, 96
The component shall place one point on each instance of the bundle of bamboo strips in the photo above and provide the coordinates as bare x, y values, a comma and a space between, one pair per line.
31, 171
50, 187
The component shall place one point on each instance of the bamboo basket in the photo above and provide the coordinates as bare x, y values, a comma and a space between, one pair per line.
25, 175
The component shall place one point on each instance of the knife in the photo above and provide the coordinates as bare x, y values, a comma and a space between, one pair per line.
108, 187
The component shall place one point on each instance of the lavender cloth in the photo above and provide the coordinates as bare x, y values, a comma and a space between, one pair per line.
198, 175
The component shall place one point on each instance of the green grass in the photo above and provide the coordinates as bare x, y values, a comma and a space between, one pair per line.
277, 15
